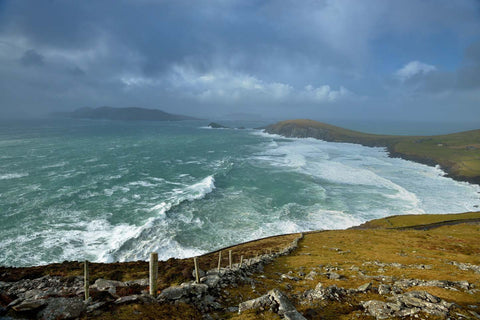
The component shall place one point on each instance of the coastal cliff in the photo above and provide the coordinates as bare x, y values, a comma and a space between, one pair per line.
458, 154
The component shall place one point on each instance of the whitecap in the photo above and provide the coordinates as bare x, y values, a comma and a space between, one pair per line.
9, 176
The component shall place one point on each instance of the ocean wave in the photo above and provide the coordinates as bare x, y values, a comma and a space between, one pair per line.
8, 176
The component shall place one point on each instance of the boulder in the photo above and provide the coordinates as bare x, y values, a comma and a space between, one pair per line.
275, 300
106, 285
364, 287
62, 308
172, 293
261, 303
29, 305
408, 304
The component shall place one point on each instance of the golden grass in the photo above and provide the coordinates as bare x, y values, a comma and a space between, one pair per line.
416, 220
352, 249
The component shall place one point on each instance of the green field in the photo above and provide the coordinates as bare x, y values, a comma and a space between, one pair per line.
457, 153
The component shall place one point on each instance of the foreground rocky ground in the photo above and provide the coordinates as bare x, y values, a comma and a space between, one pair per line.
373, 273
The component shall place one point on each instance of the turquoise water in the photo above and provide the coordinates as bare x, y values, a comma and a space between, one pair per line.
115, 191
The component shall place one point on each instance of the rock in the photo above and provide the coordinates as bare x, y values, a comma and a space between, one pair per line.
333, 293
105, 285
333, 276
275, 300
215, 125
172, 293
262, 303
29, 305
289, 277
311, 275
95, 306
3, 311
140, 282
210, 280
201, 273
408, 304
62, 308
384, 289
127, 299
364, 287
232, 309
380, 309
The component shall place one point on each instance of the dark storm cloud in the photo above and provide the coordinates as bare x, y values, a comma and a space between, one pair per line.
31, 58
289, 58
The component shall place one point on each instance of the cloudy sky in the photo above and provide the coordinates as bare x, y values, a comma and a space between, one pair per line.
344, 59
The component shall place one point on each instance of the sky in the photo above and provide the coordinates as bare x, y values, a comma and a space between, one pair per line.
346, 59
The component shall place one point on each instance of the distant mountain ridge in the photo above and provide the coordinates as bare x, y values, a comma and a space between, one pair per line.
125, 114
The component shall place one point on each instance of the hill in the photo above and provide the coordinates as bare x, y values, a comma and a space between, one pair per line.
125, 114
458, 153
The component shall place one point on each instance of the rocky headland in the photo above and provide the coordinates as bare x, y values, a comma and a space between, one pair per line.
123, 114
458, 154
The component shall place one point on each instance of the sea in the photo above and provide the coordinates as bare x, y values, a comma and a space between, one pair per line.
115, 191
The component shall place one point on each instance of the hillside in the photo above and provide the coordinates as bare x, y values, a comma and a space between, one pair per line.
457, 153
125, 114
380, 271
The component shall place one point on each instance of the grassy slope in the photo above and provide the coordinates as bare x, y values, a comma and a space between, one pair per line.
457, 153
345, 250
348, 250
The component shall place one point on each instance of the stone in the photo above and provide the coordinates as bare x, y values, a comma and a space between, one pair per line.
211, 280
201, 273
333, 276
262, 303
62, 308
105, 285
384, 289
140, 282
172, 293
378, 309
311, 275
365, 287
95, 306
128, 299
29, 305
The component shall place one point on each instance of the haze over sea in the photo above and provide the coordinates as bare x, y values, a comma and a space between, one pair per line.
115, 191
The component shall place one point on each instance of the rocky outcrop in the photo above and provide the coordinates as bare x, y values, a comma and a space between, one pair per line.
215, 125
274, 300
408, 304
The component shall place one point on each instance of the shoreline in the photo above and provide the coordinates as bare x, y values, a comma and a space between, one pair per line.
428, 150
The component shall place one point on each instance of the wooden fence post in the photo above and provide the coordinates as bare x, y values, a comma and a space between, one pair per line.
230, 258
153, 273
219, 260
86, 280
241, 260
195, 263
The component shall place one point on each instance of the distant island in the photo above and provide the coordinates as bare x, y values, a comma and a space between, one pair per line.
458, 153
125, 114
